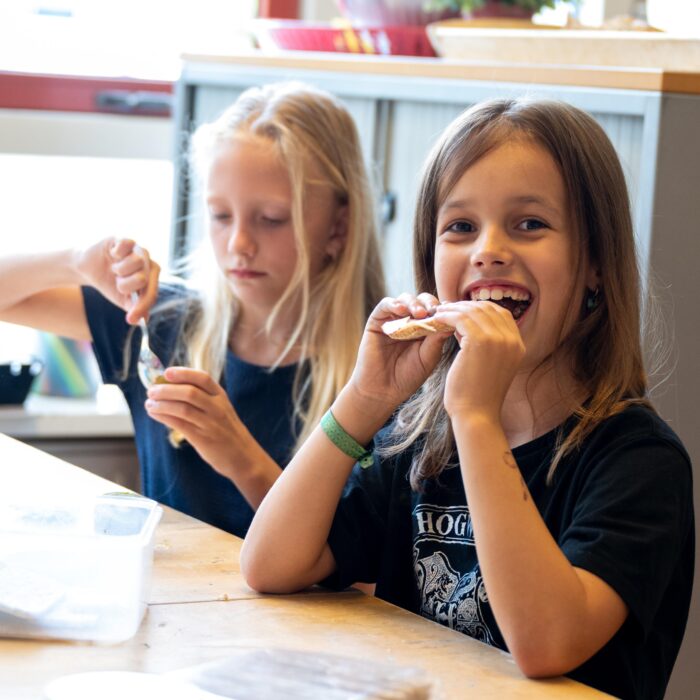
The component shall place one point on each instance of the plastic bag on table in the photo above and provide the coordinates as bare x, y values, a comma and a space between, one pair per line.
270, 674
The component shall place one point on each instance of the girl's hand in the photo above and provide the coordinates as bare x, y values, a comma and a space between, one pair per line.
491, 350
388, 371
198, 407
119, 268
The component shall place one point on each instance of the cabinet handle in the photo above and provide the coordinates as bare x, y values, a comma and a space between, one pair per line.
134, 102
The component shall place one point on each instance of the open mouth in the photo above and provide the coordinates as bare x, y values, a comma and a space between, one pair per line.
514, 299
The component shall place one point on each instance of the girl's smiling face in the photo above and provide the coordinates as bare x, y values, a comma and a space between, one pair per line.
503, 233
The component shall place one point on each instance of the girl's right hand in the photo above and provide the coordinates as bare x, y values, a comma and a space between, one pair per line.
389, 371
119, 268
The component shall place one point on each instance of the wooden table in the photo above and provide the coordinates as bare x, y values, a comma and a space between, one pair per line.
200, 609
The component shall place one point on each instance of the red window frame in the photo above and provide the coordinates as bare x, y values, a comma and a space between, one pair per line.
73, 93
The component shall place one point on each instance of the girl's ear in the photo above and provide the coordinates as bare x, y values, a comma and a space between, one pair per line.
593, 277
339, 233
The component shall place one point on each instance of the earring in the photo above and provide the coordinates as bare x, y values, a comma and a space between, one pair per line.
592, 299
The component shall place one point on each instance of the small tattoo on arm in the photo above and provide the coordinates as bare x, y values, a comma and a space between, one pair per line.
510, 462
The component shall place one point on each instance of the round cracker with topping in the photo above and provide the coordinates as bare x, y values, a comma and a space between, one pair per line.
411, 328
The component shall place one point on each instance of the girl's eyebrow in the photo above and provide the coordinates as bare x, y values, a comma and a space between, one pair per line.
534, 199
518, 199
454, 204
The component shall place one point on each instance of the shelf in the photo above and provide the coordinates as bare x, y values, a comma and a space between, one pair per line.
105, 415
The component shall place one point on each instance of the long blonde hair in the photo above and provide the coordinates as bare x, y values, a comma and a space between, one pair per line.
603, 344
308, 127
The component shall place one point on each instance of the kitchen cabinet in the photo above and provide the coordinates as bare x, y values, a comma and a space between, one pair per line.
114, 459
93, 433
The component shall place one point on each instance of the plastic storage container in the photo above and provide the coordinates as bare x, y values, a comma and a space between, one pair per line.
78, 570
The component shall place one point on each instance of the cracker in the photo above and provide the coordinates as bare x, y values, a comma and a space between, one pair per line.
411, 328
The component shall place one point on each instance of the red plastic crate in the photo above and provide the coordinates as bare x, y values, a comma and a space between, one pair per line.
297, 35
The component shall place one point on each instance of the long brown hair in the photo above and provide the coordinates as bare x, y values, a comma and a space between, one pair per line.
603, 344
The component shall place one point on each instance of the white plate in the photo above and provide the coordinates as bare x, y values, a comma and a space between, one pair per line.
122, 685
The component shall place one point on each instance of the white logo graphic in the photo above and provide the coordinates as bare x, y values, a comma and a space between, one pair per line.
453, 599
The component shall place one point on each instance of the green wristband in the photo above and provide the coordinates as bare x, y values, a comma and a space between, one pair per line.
344, 442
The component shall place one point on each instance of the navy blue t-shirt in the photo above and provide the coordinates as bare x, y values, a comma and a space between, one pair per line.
178, 477
620, 507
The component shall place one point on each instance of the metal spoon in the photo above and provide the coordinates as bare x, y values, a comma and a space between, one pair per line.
149, 366
150, 370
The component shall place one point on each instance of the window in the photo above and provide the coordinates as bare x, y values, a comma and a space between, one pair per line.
70, 176
138, 38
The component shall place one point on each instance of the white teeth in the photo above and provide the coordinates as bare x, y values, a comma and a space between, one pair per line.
498, 293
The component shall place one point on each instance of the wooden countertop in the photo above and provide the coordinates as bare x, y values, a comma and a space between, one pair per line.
200, 609
619, 77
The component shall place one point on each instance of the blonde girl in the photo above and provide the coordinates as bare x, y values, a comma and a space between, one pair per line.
527, 494
263, 335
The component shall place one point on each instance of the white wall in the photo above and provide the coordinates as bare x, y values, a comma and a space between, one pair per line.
319, 10
677, 16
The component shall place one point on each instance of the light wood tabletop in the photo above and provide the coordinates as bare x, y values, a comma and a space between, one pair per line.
200, 609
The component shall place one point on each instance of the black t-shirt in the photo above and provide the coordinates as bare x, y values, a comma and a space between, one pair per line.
179, 477
619, 507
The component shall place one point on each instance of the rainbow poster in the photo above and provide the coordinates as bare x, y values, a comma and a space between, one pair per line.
70, 368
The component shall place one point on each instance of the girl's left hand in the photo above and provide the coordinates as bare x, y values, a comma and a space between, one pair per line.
491, 350
198, 407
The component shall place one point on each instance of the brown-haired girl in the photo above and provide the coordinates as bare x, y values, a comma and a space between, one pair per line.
526, 493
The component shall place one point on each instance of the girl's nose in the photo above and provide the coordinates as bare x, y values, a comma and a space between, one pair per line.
241, 242
491, 248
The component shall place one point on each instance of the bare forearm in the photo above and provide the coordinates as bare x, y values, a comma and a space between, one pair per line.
286, 547
540, 601
22, 276
252, 471
42, 291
